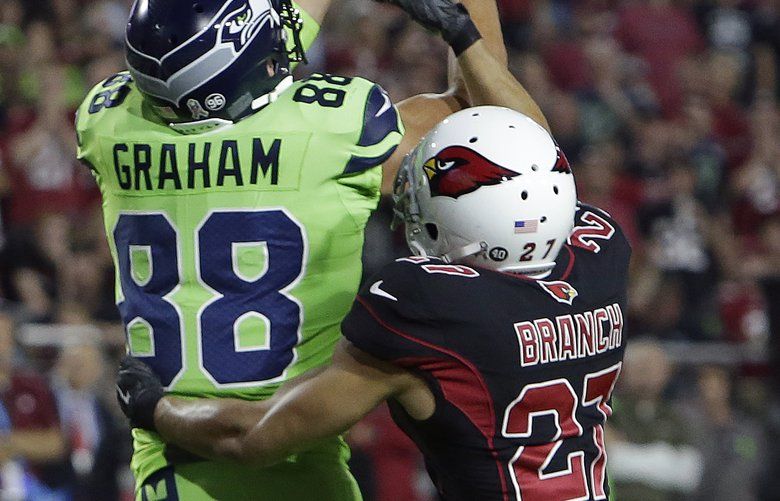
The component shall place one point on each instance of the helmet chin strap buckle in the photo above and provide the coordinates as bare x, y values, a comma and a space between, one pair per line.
417, 249
272, 96
471, 249
200, 126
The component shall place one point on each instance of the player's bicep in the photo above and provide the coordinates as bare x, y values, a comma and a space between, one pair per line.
323, 406
419, 115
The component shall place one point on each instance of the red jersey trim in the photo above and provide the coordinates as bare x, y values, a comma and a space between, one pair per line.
572, 257
473, 370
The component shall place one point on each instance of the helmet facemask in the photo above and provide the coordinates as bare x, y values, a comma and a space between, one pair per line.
424, 236
293, 21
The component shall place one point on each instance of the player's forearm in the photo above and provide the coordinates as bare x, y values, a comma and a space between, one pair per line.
302, 417
490, 83
291, 427
210, 428
484, 13
320, 407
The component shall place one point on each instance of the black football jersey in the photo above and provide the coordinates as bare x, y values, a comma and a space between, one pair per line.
522, 370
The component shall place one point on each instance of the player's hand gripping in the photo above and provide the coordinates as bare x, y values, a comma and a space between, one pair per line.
450, 19
138, 391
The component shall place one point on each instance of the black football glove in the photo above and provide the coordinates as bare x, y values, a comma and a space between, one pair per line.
450, 19
138, 390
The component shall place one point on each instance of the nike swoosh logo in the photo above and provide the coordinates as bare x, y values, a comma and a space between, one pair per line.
388, 104
123, 396
377, 291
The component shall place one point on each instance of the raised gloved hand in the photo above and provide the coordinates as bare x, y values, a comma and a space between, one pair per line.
138, 391
450, 19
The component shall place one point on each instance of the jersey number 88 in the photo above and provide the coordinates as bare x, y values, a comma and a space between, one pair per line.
148, 297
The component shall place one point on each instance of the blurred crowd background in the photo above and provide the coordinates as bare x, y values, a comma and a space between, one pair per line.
668, 111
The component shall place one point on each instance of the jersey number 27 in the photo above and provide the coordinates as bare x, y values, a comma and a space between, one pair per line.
558, 464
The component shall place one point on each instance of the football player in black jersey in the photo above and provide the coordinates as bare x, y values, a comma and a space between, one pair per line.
496, 345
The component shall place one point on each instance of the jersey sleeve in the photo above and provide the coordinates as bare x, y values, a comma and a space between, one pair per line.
598, 242
351, 115
597, 232
110, 93
379, 135
389, 318
87, 148
365, 130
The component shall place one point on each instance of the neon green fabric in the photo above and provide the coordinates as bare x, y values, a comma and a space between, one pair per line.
174, 204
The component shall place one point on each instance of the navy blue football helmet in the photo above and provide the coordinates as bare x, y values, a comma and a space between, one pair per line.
202, 63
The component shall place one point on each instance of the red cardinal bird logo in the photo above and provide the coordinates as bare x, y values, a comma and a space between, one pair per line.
561, 291
562, 163
458, 170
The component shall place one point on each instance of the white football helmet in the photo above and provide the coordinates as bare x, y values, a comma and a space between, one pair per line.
488, 187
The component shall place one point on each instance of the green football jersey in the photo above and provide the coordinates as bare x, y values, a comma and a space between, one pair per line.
237, 251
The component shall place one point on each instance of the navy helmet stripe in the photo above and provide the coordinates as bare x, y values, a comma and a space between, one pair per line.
205, 31
206, 58
216, 33
189, 77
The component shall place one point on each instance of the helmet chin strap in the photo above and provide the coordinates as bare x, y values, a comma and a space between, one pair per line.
417, 249
465, 251
534, 273
539, 275
479, 247
269, 98
200, 126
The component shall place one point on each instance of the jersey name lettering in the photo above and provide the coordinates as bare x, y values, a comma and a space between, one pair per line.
570, 337
147, 167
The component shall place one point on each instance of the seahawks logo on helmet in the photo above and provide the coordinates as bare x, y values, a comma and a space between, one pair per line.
214, 48
241, 25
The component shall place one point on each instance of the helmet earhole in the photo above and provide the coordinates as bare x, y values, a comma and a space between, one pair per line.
544, 219
555, 190
433, 231
473, 140
534, 167
524, 195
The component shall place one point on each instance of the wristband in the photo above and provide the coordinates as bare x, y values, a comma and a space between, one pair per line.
145, 405
466, 36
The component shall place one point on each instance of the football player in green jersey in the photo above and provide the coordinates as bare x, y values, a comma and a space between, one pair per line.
235, 202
